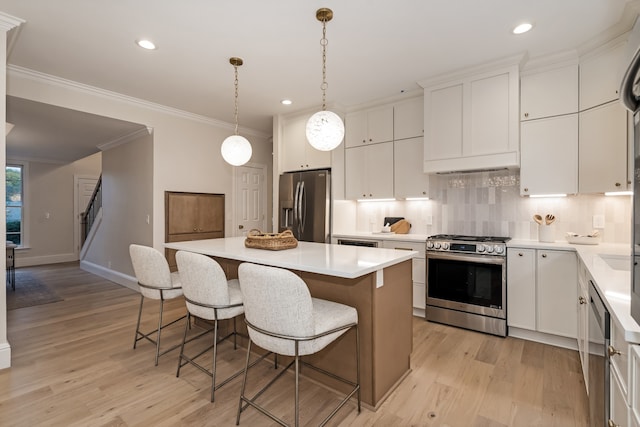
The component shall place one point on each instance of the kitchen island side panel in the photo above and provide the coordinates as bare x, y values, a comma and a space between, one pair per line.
384, 322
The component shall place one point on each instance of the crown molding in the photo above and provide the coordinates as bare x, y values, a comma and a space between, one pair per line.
26, 73
8, 22
131, 136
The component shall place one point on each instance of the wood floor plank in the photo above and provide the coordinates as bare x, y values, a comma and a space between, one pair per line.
73, 365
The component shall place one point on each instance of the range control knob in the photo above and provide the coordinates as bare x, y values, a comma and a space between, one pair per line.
499, 249
436, 245
445, 246
489, 249
429, 245
480, 248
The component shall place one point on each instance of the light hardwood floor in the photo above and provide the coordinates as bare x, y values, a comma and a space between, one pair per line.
73, 365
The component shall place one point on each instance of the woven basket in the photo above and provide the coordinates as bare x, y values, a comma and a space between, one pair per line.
256, 239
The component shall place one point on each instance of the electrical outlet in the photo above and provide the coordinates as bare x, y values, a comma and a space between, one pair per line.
598, 221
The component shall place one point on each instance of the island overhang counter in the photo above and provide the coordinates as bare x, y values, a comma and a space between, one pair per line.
376, 281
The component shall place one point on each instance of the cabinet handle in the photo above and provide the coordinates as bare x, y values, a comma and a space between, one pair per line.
582, 300
612, 423
424, 193
544, 255
618, 184
526, 114
403, 249
612, 351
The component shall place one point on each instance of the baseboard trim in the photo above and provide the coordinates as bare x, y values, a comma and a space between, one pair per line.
112, 275
5, 355
555, 340
42, 260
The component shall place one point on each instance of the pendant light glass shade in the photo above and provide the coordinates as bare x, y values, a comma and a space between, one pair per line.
236, 150
325, 130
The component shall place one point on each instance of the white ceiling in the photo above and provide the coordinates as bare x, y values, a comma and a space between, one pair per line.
377, 48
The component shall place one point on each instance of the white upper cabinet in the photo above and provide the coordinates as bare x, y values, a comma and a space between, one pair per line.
295, 151
549, 156
549, 93
603, 149
600, 76
369, 126
408, 118
369, 171
409, 179
471, 122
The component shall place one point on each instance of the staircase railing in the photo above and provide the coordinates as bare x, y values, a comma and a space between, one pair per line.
93, 207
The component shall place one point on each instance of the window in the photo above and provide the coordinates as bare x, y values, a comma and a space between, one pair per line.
14, 203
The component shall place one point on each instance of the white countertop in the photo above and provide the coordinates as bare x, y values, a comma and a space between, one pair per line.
382, 236
613, 284
333, 260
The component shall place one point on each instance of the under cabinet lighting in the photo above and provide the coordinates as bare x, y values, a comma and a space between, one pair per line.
618, 193
376, 200
416, 198
547, 195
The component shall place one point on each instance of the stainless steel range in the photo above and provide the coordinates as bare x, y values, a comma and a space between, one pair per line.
466, 282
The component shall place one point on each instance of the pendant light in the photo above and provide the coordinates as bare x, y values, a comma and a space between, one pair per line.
236, 149
325, 129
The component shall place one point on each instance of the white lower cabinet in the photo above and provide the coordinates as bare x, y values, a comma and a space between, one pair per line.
419, 268
541, 291
618, 409
583, 320
634, 394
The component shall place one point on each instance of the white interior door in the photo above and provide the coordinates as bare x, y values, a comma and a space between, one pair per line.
250, 199
83, 190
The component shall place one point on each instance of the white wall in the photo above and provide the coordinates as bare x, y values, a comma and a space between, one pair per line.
127, 188
51, 190
186, 154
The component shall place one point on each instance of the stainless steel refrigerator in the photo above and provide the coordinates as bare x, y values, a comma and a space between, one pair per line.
305, 205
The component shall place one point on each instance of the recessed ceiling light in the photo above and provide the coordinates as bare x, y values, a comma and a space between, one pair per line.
286, 102
522, 28
146, 44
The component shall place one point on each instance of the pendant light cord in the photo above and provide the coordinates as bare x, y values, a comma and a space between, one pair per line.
235, 68
324, 85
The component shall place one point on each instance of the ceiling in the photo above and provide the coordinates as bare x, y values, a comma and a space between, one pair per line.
377, 49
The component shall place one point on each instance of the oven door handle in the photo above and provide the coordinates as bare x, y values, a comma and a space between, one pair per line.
456, 256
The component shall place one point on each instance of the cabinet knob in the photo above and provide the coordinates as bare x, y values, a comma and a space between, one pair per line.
612, 351
526, 190
520, 254
424, 193
526, 114
370, 140
544, 255
364, 140
240, 226
618, 184
582, 300
370, 195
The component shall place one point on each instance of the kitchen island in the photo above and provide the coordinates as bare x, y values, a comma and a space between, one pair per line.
376, 281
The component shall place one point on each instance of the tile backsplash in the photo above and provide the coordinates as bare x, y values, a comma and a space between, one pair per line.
489, 203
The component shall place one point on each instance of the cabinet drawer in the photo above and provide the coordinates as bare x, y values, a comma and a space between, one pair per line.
419, 270
620, 360
403, 245
634, 391
419, 296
